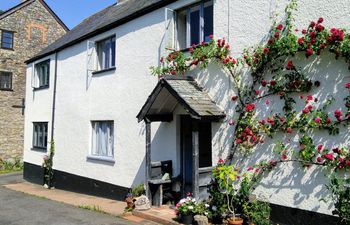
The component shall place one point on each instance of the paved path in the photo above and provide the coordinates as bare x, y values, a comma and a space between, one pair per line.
21, 209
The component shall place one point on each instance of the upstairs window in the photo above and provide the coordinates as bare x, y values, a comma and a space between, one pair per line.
7, 39
106, 53
42, 70
5, 80
102, 139
194, 24
40, 135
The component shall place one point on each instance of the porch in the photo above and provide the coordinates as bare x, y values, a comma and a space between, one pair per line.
194, 122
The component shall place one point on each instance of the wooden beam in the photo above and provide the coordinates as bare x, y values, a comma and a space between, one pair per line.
162, 118
195, 160
148, 159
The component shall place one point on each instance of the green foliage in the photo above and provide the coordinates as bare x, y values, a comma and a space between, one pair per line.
138, 190
94, 208
48, 165
257, 212
8, 166
340, 188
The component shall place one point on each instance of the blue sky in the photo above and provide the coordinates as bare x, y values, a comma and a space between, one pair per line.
71, 12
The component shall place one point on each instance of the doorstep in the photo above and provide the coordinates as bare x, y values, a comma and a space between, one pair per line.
163, 215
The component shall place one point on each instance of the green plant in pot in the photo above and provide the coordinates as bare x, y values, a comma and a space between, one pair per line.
186, 209
225, 177
257, 212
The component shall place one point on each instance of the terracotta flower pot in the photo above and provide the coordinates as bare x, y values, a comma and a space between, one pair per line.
235, 221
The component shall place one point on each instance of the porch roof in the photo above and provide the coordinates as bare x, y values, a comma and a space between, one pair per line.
170, 92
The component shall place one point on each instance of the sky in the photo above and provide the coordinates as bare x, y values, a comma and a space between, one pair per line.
71, 12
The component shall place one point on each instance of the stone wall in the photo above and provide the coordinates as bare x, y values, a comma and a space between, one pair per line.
35, 28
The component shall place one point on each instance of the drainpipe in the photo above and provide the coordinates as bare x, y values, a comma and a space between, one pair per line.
54, 99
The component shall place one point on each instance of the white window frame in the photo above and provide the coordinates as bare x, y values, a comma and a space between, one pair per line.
201, 6
100, 140
42, 77
42, 133
101, 55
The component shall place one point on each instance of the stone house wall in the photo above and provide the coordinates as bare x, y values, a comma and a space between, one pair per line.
34, 28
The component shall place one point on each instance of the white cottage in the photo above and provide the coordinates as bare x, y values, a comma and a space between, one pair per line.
85, 90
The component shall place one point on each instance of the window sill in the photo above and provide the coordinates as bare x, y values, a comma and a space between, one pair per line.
101, 158
104, 70
41, 88
11, 49
5, 89
38, 149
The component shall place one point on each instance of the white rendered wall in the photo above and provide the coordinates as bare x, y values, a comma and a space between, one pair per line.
120, 94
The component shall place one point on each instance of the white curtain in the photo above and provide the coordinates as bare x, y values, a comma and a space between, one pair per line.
102, 139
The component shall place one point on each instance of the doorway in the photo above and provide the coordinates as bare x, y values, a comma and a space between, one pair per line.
187, 126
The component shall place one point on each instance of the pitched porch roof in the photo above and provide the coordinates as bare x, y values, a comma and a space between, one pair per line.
170, 92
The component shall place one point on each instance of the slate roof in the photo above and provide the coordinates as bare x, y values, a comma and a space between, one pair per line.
28, 2
187, 93
102, 21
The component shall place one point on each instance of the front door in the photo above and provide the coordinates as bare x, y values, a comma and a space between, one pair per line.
205, 154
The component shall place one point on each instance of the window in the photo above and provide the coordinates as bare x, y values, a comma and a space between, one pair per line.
5, 80
106, 53
42, 74
102, 138
7, 39
40, 135
195, 24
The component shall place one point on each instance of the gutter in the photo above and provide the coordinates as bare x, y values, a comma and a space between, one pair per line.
54, 100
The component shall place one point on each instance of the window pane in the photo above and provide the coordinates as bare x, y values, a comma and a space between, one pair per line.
106, 53
6, 45
7, 39
208, 22
181, 29
113, 53
194, 26
102, 138
5, 80
35, 136
7, 34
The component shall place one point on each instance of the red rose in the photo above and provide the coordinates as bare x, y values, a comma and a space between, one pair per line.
263, 83
270, 41
319, 27
238, 141
309, 52
272, 82
312, 24
305, 111
270, 121
303, 31
347, 85
250, 107
276, 35
300, 41
284, 157
328, 120
338, 113
312, 34
319, 159
234, 98
228, 46
279, 27
250, 168
309, 107
329, 156
266, 50
211, 36
262, 122
317, 120
290, 65
289, 130
257, 92
319, 148
173, 72
195, 62
221, 161
320, 20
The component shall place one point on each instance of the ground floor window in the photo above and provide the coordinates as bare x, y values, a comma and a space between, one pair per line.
102, 138
5, 80
40, 135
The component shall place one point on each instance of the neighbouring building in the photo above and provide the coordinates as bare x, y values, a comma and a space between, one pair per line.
25, 30
98, 80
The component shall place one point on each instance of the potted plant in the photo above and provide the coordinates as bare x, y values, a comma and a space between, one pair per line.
186, 209
257, 212
225, 177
